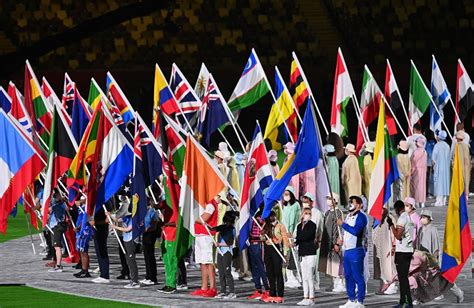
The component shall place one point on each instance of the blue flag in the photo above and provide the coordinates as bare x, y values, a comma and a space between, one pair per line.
306, 156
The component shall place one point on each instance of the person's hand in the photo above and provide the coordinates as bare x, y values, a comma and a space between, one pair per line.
107, 220
339, 241
337, 248
389, 221
339, 221
76, 229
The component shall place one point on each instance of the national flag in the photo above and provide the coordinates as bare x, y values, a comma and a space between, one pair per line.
201, 82
420, 96
342, 92
118, 98
384, 168
441, 96
5, 100
163, 100
213, 112
68, 94
197, 190
95, 95
457, 233
299, 92
151, 153
393, 98
18, 110
464, 92
258, 176
29, 204
62, 149
36, 105
80, 116
20, 164
184, 94
306, 156
52, 98
251, 87
281, 110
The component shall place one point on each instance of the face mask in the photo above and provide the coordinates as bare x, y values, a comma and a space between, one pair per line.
352, 207
306, 217
306, 204
424, 220
329, 203
286, 198
274, 222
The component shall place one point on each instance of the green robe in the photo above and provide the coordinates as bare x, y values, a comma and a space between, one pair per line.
333, 174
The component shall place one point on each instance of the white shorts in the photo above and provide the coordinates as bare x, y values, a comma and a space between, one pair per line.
203, 249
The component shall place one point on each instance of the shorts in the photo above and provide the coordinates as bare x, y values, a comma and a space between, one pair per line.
59, 230
203, 249
82, 240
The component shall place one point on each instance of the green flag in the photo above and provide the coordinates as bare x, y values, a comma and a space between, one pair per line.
420, 96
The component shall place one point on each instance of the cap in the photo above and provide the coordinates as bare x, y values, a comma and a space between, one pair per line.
309, 196
410, 200
403, 145
335, 196
369, 147
428, 213
290, 189
272, 156
219, 154
442, 135
350, 148
460, 135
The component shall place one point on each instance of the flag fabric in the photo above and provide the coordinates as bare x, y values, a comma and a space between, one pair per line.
62, 149
52, 98
384, 168
29, 203
68, 93
95, 96
20, 164
213, 112
464, 92
80, 115
36, 105
299, 92
420, 97
118, 98
457, 233
251, 87
306, 156
441, 96
163, 99
201, 82
5, 100
150, 153
18, 110
342, 92
184, 94
281, 110
393, 98
196, 190
258, 176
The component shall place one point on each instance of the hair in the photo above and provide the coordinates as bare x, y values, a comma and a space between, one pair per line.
459, 126
229, 217
400, 151
268, 227
398, 205
357, 199
417, 127
292, 197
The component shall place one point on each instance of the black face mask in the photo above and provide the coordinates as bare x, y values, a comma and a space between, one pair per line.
273, 163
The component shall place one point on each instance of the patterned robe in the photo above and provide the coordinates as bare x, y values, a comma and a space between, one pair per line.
330, 262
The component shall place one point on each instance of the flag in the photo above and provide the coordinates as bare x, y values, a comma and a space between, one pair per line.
163, 99
62, 149
342, 92
150, 153
118, 98
420, 97
251, 87
457, 233
213, 112
464, 92
197, 190
52, 98
20, 164
299, 92
29, 203
306, 156
184, 94
36, 105
393, 98
201, 82
258, 176
384, 168
441, 96
5, 100
281, 110
95, 96
68, 93
80, 116
18, 110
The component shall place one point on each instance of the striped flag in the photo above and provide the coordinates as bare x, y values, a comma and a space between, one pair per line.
118, 99
420, 97
184, 94
163, 100
393, 97
441, 96
18, 110
299, 92
464, 92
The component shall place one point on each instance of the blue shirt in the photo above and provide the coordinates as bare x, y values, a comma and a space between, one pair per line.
58, 213
355, 231
127, 221
149, 217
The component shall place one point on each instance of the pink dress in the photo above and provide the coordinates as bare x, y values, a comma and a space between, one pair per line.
419, 160
308, 182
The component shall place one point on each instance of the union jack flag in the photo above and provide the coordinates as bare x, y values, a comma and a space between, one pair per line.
68, 94
184, 93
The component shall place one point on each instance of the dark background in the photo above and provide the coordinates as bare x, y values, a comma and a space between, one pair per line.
87, 38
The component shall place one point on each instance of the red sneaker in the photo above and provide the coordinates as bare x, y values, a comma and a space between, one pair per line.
278, 300
256, 295
268, 299
210, 293
198, 292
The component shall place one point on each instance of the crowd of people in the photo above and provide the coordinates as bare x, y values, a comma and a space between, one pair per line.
308, 235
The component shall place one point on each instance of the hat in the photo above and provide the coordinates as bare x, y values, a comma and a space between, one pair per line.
290, 189
289, 148
329, 148
442, 135
223, 146
335, 196
238, 158
369, 147
403, 145
427, 213
410, 200
309, 196
219, 154
460, 135
421, 140
272, 155
350, 148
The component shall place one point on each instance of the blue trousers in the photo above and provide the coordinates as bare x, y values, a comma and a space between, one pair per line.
257, 267
354, 273
100, 242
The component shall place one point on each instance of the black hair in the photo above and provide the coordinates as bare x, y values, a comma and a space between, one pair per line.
400, 151
273, 163
292, 197
417, 127
229, 217
398, 205
357, 199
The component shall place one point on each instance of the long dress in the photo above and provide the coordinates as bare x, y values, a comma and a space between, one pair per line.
367, 174
351, 178
308, 182
418, 175
384, 261
333, 174
330, 262
465, 158
403, 183
441, 169
322, 187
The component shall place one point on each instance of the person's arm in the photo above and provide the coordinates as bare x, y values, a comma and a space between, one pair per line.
397, 230
359, 226
127, 229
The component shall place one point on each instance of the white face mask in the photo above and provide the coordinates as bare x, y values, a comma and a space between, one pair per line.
306, 217
352, 207
306, 204
286, 198
424, 220
329, 203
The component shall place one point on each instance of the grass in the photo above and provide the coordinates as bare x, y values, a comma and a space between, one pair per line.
22, 296
17, 227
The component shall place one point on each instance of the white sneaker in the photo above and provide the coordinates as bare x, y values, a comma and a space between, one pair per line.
439, 297
305, 302
56, 269
235, 275
392, 289
339, 289
416, 302
132, 285
230, 296
147, 282
182, 287
349, 304
220, 295
97, 270
358, 305
247, 278
100, 280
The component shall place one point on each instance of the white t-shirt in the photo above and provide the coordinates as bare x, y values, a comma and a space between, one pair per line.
209, 210
406, 243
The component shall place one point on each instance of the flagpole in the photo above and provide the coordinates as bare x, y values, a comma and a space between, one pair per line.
455, 111
115, 231
310, 91
286, 90
394, 116
400, 98
31, 235
269, 239
365, 133
225, 140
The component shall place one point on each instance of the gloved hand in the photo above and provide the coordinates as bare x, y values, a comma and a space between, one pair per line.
389, 221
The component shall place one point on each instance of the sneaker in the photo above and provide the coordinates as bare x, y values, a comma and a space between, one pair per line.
56, 269
415, 302
348, 304
100, 280
182, 287
43, 253
339, 289
278, 300
123, 277
230, 296
439, 297
78, 273
392, 289
359, 305
304, 302
268, 299
265, 295
220, 295
96, 271
132, 285
148, 282
84, 275
167, 290
47, 258
256, 295
210, 293
198, 292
